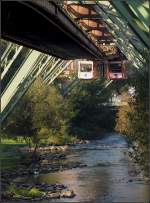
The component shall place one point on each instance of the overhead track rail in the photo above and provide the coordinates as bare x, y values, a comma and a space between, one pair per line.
55, 33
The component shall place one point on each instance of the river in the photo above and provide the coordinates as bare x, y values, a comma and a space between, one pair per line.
108, 176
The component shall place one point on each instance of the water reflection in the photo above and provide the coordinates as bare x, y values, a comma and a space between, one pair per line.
106, 179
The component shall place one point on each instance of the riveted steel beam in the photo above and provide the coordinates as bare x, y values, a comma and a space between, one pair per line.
10, 57
141, 10
53, 22
57, 71
124, 27
133, 22
121, 41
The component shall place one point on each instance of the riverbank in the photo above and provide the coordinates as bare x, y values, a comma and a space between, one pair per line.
50, 159
96, 171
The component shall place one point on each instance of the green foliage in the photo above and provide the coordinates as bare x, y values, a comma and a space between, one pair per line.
89, 115
38, 116
34, 192
18, 192
61, 140
9, 156
17, 140
133, 120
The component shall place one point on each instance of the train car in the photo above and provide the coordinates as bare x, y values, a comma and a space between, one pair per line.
85, 70
115, 70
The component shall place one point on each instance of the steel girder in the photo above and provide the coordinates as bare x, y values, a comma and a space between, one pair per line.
9, 56
70, 86
14, 90
13, 70
141, 12
34, 64
115, 16
48, 73
137, 16
133, 43
57, 70
41, 64
122, 34
6, 51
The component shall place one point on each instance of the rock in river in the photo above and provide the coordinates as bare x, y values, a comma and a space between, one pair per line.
68, 194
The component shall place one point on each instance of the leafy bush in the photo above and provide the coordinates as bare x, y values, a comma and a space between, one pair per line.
18, 192
34, 192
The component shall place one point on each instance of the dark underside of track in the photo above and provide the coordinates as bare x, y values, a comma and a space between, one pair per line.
46, 28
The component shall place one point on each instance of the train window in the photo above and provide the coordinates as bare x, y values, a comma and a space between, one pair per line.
116, 70
85, 69
115, 67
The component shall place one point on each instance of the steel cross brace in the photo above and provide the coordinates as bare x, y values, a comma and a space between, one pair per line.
25, 83
6, 52
12, 72
48, 66
132, 21
121, 41
123, 25
47, 74
9, 56
70, 86
18, 78
58, 70
141, 12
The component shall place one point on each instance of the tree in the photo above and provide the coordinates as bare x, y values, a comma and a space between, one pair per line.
89, 113
133, 120
38, 115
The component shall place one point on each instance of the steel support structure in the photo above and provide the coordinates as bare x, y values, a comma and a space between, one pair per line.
9, 56
35, 64
57, 71
138, 20
70, 86
14, 86
121, 34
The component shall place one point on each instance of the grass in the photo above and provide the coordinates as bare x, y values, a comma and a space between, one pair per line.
9, 157
18, 192
12, 141
62, 140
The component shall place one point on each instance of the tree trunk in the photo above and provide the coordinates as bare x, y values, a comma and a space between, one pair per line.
34, 155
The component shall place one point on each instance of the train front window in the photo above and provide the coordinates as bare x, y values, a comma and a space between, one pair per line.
115, 68
85, 67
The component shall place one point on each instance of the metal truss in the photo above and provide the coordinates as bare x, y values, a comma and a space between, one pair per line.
55, 63
120, 30
6, 51
136, 14
70, 86
106, 84
129, 36
9, 56
35, 63
57, 70
123, 25
15, 84
14, 68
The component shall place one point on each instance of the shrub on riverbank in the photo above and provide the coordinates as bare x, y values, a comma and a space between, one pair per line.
133, 119
19, 192
39, 118
90, 112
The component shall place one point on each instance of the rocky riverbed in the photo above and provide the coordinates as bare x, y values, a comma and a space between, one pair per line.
110, 176
48, 162
24, 192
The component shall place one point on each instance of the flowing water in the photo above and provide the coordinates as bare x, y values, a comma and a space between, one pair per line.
108, 176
